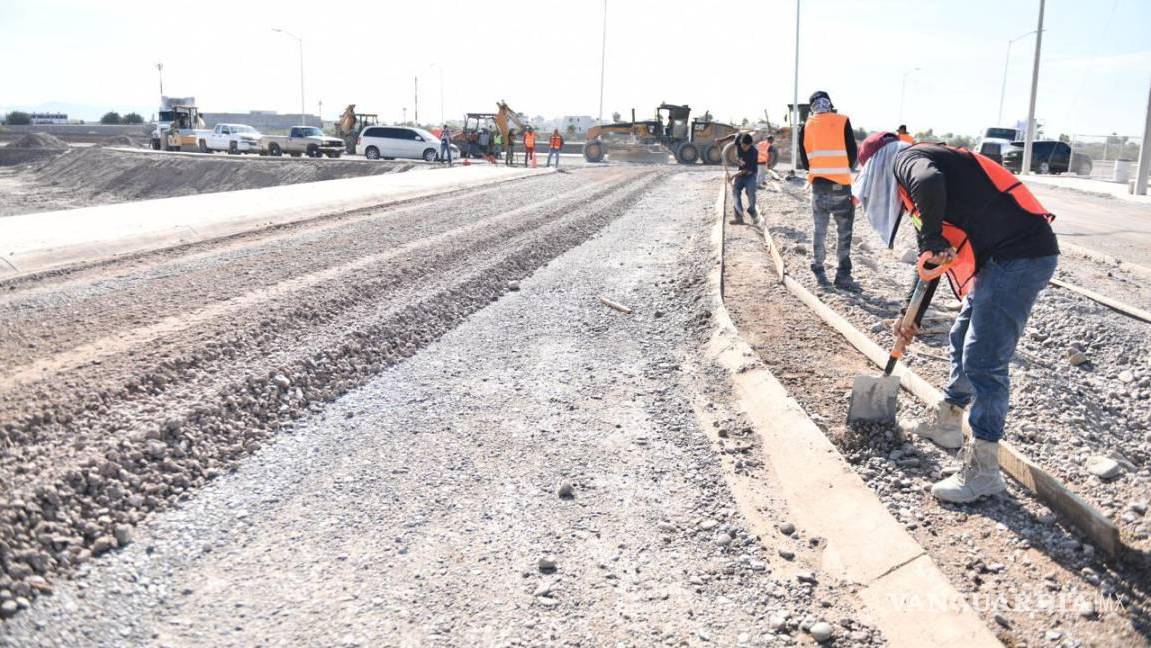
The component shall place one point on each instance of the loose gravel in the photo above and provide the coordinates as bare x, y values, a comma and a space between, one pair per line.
541, 471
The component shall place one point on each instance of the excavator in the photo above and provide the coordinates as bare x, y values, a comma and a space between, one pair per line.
672, 131
474, 122
351, 124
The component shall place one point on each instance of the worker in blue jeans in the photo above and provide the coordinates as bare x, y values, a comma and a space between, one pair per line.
744, 180
978, 219
446, 145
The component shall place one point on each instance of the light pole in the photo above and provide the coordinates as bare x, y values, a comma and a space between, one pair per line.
903, 91
795, 98
1144, 154
1030, 138
300, 42
602, 59
1006, 62
160, 71
416, 105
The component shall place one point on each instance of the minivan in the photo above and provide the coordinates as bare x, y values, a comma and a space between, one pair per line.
390, 142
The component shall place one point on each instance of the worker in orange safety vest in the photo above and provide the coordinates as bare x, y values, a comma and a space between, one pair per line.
555, 145
904, 136
530, 147
766, 159
828, 153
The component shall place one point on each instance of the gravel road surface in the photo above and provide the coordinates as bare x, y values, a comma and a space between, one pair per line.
414, 426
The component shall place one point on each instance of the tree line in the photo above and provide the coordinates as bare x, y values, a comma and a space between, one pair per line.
21, 118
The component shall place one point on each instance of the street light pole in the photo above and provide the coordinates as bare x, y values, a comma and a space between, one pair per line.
1003, 89
160, 71
300, 42
416, 105
903, 91
795, 98
602, 59
1030, 138
1144, 154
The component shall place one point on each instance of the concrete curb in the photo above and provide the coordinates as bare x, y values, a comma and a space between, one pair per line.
48, 240
908, 597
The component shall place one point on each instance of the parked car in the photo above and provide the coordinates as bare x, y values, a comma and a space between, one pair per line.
390, 142
302, 140
233, 138
1048, 156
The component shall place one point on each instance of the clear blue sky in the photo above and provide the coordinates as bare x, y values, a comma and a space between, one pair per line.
733, 57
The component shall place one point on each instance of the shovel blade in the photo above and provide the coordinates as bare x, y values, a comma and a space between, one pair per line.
873, 399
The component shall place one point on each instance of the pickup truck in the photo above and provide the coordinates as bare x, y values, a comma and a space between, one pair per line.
302, 140
233, 138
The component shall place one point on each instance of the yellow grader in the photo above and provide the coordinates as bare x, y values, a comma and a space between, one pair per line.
671, 132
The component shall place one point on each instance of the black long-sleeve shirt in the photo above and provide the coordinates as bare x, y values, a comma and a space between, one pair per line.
848, 144
748, 160
946, 183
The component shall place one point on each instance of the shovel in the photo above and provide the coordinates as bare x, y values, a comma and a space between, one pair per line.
873, 399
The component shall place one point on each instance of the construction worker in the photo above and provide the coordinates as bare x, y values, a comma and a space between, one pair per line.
530, 147
497, 144
904, 136
555, 145
828, 154
744, 180
484, 141
511, 159
446, 145
766, 150
971, 213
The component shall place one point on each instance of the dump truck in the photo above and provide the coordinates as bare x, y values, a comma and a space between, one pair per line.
671, 132
351, 124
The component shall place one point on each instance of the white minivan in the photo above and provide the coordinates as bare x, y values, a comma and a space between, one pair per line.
400, 142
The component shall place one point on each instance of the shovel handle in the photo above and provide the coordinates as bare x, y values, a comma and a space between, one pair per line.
916, 307
929, 272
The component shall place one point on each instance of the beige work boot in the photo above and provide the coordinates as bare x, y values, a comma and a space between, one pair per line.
942, 425
978, 477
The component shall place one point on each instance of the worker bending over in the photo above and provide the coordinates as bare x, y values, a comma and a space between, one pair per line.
972, 213
828, 154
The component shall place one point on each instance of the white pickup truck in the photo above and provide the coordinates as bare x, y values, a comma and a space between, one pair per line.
233, 138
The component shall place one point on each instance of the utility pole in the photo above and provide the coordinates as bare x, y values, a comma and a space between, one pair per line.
1003, 90
795, 98
1144, 153
300, 42
602, 59
1030, 137
320, 112
160, 70
416, 105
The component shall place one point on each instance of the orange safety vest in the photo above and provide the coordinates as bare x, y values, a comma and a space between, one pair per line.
906, 137
965, 267
530, 139
764, 148
825, 148
556, 142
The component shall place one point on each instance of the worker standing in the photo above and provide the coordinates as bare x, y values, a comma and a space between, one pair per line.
904, 136
744, 180
497, 145
974, 214
446, 145
766, 150
485, 140
555, 145
511, 159
828, 154
530, 147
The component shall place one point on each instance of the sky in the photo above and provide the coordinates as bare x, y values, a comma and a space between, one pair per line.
732, 57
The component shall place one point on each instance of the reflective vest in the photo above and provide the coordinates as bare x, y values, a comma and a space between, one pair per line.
906, 137
764, 148
966, 265
556, 142
825, 148
530, 139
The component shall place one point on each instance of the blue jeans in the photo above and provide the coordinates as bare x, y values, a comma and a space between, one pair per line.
984, 336
553, 152
832, 200
741, 184
446, 153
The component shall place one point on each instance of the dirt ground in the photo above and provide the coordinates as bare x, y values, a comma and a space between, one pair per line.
43, 180
1033, 579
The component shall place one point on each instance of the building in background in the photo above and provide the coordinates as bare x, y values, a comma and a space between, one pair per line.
49, 118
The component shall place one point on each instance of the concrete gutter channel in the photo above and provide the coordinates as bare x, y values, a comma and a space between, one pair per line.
44, 241
910, 600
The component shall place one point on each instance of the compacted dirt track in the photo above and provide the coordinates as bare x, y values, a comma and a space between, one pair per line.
508, 465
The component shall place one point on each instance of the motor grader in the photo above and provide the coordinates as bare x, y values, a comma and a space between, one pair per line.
671, 132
